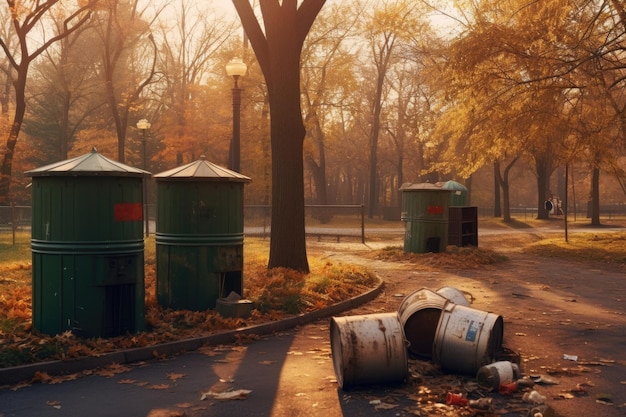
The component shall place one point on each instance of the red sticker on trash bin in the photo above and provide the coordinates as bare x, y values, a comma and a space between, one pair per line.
435, 209
127, 212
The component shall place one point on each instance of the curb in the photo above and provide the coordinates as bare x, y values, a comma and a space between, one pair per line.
16, 374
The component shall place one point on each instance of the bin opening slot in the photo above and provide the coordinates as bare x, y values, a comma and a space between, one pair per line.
230, 281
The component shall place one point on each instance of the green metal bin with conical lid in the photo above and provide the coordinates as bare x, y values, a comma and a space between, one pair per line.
425, 214
199, 235
87, 247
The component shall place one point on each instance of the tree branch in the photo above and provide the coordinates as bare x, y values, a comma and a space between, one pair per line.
66, 29
255, 34
308, 11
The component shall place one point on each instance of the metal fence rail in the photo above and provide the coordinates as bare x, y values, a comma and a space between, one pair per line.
334, 221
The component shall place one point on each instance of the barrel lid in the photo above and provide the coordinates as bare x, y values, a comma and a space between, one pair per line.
92, 163
201, 170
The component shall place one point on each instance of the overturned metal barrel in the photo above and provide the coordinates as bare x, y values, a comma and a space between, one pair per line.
419, 314
455, 295
466, 338
368, 349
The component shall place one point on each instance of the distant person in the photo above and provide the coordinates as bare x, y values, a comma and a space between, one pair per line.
549, 205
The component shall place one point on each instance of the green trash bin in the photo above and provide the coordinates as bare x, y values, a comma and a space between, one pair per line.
199, 235
425, 214
87, 247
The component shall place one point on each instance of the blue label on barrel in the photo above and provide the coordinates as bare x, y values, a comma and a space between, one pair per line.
472, 331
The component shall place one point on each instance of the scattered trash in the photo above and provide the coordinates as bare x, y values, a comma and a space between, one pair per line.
385, 406
545, 380
542, 411
492, 376
240, 394
481, 403
453, 398
54, 404
509, 388
580, 388
570, 357
604, 398
525, 383
533, 397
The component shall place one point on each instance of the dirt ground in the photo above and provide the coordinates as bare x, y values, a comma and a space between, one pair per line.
565, 319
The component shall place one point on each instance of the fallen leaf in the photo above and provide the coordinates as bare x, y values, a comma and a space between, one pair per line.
126, 381
174, 376
41, 377
267, 362
159, 387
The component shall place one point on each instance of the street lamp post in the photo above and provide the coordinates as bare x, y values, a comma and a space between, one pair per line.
236, 68
144, 125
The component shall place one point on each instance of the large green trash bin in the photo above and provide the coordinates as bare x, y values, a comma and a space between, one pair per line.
425, 214
199, 235
87, 247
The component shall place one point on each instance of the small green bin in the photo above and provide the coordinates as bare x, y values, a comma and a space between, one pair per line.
199, 235
458, 193
87, 247
425, 214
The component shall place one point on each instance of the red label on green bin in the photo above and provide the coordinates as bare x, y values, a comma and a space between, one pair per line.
435, 209
127, 212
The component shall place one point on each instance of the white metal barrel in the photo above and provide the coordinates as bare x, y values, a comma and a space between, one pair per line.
467, 338
419, 314
368, 349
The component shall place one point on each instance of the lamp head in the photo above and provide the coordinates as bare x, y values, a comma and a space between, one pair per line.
143, 124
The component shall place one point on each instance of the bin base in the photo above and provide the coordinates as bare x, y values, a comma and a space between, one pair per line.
233, 309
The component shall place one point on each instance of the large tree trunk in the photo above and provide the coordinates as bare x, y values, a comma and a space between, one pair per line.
543, 177
278, 52
502, 181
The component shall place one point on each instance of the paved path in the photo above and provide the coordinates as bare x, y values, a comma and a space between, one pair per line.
550, 308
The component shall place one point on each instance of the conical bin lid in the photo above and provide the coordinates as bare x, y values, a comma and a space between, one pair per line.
92, 163
201, 170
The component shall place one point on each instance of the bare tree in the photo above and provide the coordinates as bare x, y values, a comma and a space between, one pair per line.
27, 20
122, 29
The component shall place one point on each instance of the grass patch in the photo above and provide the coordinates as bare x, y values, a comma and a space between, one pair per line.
602, 247
453, 258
